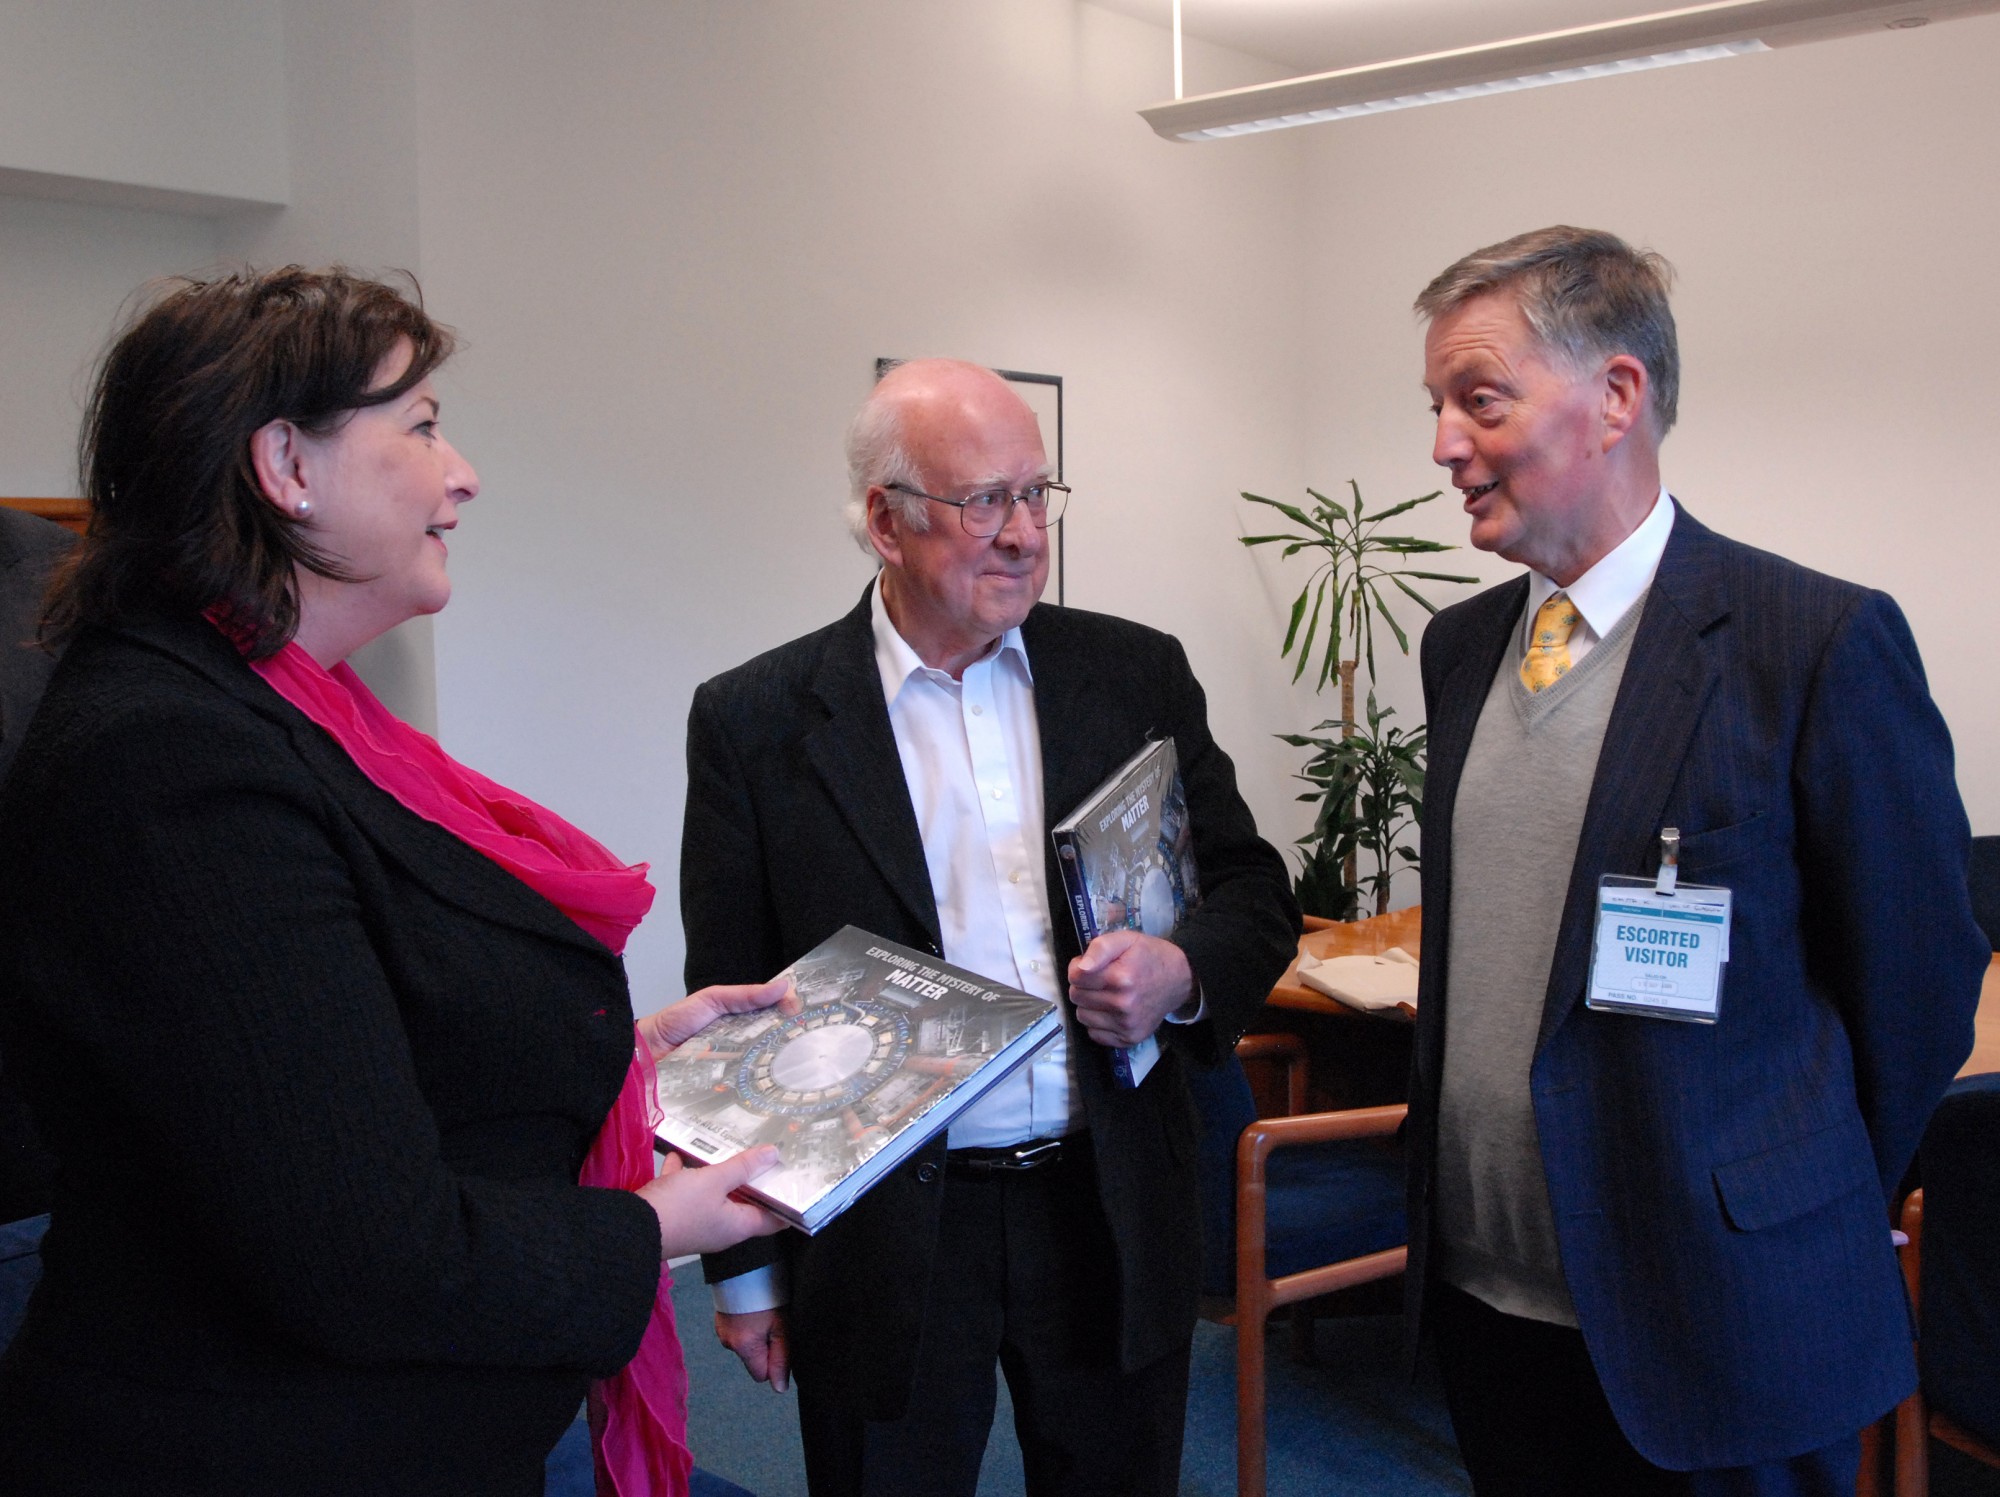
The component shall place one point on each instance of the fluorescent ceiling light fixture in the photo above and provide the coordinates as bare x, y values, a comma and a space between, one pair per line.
1696, 33
1474, 90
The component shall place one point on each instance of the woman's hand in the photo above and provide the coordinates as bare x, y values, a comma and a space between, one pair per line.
678, 1022
695, 1208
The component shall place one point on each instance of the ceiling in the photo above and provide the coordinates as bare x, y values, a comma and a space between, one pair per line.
1316, 36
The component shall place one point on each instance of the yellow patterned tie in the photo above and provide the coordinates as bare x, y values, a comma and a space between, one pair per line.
1548, 649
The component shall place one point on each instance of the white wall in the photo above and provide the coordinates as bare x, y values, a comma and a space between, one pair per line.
1831, 210
678, 237
143, 104
65, 269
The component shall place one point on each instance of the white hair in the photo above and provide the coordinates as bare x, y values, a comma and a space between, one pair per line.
876, 456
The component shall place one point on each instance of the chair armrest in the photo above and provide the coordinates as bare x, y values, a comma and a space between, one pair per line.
1270, 1047
1291, 1050
1910, 1255
1265, 1135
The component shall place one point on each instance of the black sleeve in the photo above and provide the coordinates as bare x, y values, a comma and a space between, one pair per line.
726, 915
1245, 931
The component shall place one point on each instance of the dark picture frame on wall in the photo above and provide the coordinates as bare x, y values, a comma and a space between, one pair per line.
1044, 394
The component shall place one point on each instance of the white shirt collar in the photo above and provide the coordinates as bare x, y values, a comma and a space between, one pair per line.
1606, 593
897, 662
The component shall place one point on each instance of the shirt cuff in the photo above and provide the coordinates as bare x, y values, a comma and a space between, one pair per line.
765, 1288
1194, 1010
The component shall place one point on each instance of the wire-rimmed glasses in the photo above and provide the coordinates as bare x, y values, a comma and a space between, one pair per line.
986, 512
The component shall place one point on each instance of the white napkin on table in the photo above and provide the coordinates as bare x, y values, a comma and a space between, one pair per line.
1368, 983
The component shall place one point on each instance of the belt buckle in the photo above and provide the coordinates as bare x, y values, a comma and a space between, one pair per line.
1030, 1156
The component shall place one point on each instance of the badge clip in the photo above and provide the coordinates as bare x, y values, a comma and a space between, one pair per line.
1670, 860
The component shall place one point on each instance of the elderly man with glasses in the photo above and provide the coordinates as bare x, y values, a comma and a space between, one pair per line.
898, 771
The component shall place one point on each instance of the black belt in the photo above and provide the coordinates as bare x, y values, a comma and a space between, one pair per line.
1014, 1159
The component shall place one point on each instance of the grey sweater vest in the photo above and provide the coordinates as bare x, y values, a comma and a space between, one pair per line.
1515, 823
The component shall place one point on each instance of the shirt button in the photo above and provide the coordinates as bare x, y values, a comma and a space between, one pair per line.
977, 710
998, 792
1034, 966
1014, 877
926, 1173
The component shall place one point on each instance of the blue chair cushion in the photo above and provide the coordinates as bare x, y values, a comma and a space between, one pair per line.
1959, 1320
1324, 1203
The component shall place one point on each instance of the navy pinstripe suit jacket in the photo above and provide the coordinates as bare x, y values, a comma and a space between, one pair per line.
1719, 1191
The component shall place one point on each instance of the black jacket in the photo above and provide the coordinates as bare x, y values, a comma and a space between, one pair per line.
798, 822
29, 549
320, 1077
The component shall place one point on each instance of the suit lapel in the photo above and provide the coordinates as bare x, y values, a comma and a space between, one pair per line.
854, 753
1065, 688
1668, 678
453, 870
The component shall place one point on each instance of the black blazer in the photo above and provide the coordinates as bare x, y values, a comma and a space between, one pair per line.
1720, 1191
320, 1077
798, 822
29, 549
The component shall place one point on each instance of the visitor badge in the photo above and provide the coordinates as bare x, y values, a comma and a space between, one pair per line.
1659, 952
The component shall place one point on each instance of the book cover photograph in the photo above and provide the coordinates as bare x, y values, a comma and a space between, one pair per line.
1127, 859
884, 1047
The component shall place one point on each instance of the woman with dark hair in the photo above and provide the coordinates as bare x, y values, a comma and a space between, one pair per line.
329, 1033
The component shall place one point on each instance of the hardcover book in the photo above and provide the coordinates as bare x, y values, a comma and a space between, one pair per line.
1127, 860
885, 1047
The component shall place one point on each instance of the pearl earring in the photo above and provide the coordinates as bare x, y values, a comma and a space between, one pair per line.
303, 508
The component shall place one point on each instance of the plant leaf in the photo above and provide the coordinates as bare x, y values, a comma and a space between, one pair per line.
1397, 509
1306, 644
1421, 601
1291, 632
1334, 505
1401, 639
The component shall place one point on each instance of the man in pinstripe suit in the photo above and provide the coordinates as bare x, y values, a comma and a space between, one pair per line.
1655, 1256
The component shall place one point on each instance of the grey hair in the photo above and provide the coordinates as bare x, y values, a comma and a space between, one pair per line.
1585, 294
876, 455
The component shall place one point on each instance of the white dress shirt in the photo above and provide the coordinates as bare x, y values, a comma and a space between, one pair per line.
1605, 594
972, 759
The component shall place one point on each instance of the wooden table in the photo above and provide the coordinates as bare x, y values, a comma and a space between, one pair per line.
1370, 937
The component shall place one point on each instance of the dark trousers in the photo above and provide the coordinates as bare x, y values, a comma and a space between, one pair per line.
1025, 1280
1532, 1419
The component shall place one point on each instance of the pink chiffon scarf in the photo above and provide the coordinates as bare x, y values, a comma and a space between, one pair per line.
638, 1417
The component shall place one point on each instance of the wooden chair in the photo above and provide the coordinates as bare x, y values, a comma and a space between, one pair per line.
1959, 1154
1349, 1200
71, 514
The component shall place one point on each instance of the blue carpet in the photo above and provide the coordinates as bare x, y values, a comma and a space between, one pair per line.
1351, 1423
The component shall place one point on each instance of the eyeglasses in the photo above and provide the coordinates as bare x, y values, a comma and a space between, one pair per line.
986, 512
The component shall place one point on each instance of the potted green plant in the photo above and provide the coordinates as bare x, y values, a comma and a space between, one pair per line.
1367, 782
